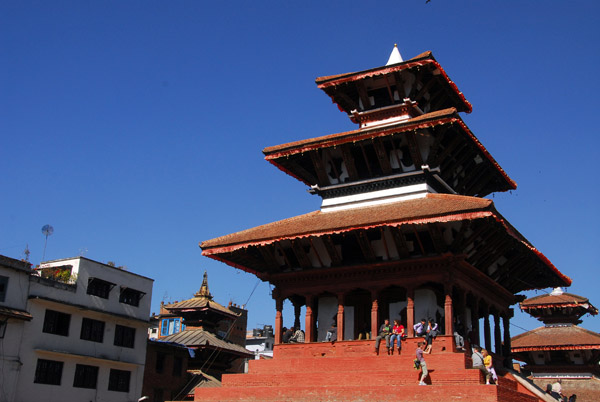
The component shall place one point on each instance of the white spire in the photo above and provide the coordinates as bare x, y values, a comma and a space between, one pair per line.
394, 56
556, 292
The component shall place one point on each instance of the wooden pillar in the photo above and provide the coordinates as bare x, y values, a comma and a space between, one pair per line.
497, 334
506, 321
297, 308
475, 321
278, 320
374, 314
410, 312
309, 321
340, 317
448, 310
462, 313
486, 330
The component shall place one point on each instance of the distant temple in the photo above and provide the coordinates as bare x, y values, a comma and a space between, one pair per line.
215, 334
561, 349
403, 233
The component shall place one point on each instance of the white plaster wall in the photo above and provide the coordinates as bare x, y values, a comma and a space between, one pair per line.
426, 305
17, 289
348, 322
395, 309
328, 306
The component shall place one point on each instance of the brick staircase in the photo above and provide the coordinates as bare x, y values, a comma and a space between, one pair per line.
351, 372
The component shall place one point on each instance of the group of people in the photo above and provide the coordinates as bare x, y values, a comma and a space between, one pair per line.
395, 334
292, 335
391, 334
427, 329
482, 360
555, 390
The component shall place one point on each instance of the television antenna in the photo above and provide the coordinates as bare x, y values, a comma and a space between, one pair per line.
47, 230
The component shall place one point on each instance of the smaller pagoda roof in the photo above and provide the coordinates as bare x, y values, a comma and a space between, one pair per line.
425, 61
202, 300
559, 300
199, 338
558, 337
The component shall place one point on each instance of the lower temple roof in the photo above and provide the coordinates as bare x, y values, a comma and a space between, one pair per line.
436, 224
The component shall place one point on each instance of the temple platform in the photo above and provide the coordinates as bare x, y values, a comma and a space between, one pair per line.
350, 371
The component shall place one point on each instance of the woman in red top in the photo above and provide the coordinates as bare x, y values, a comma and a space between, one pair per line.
397, 333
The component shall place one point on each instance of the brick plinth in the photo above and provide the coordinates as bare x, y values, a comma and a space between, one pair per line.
351, 372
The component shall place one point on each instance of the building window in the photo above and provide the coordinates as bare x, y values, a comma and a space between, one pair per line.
177, 366
56, 323
119, 380
3, 287
92, 330
131, 296
48, 372
85, 376
160, 362
170, 326
124, 336
98, 287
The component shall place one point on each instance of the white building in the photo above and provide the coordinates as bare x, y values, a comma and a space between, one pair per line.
87, 338
260, 342
14, 286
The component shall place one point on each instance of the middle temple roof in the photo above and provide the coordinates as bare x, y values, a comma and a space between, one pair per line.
439, 140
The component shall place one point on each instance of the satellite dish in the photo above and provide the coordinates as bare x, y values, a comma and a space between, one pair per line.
47, 230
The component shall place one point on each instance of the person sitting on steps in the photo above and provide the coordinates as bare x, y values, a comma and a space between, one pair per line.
431, 333
385, 332
397, 333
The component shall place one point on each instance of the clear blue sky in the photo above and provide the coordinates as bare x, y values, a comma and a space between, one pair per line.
135, 128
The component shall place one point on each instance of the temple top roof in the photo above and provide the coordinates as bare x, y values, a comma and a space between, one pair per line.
202, 300
558, 307
421, 79
556, 299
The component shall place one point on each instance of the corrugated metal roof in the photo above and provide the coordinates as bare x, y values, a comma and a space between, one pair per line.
199, 337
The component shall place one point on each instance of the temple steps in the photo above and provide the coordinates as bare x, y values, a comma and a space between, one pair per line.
349, 393
361, 379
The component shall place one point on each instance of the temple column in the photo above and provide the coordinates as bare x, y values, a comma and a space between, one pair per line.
497, 334
462, 313
486, 329
278, 320
475, 321
340, 317
448, 310
309, 321
297, 308
410, 312
374, 313
506, 321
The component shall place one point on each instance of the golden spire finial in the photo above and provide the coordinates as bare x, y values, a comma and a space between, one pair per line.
204, 292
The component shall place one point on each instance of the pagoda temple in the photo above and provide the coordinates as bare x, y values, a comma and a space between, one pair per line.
215, 333
403, 232
561, 349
